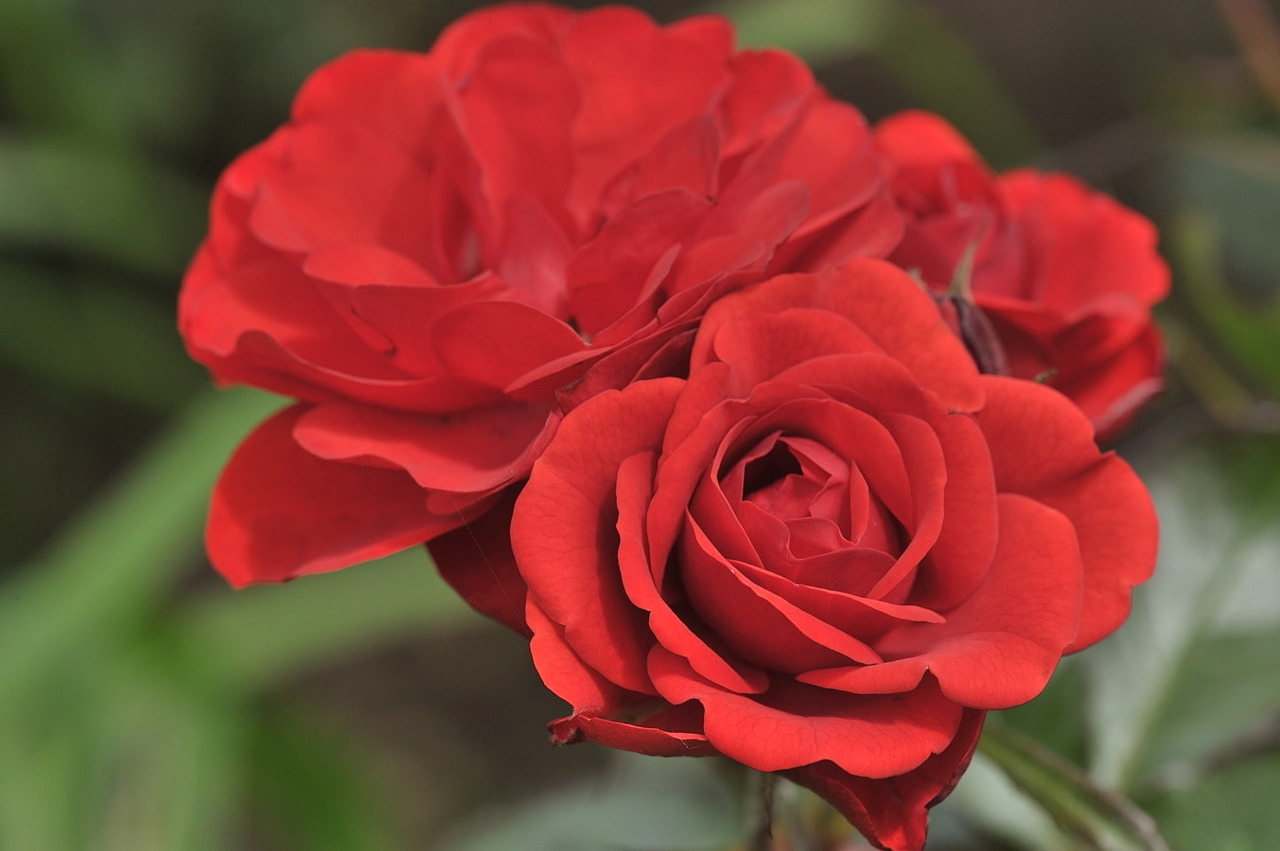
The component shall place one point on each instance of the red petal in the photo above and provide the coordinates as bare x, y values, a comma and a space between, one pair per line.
893, 813
514, 111
496, 343
914, 138
883, 302
999, 648
563, 532
279, 512
476, 560
638, 83
369, 89
1042, 446
793, 725
473, 452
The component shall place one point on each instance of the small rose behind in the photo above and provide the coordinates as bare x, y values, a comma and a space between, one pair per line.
827, 552
1066, 276
436, 243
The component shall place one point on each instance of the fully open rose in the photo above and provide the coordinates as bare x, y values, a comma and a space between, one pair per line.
435, 243
1066, 276
827, 552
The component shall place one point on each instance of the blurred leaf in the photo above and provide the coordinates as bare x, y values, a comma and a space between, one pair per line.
1228, 685
1132, 673
987, 798
914, 42
173, 768
1234, 180
1056, 718
90, 338
119, 557
50, 75
647, 803
314, 789
1231, 811
252, 638
1100, 817
82, 198
1244, 331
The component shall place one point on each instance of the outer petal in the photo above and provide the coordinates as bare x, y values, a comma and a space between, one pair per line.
476, 560
882, 301
893, 813
794, 725
563, 534
279, 512
1042, 446
473, 452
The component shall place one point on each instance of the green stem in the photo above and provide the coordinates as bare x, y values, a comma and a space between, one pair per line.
1100, 817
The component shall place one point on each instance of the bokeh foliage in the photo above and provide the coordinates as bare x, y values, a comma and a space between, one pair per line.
145, 705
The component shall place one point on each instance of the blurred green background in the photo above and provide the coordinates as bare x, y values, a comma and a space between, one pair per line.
143, 705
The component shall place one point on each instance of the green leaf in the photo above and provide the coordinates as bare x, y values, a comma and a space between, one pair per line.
1227, 686
316, 789
252, 638
1234, 810
1131, 673
83, 198
648, 803
988, 799
112, 565
1082, 808
92, 338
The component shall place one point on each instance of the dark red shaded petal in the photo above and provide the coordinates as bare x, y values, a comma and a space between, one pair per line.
892, 813
793, 725
998, 648
476, 560
672, 732
270, 296
1042, 446
279, 512
686, 158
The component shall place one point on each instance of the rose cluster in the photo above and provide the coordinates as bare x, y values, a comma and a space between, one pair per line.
775, 433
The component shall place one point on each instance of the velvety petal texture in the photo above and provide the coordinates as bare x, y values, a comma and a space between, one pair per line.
436, 245
828, 551
1065, 276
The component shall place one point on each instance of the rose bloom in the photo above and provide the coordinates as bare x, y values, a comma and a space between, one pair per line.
827, 552
1066, 276
436, 243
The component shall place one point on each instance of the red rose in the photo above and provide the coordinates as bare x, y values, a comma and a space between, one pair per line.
435, 243
828, 551
1066, 276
